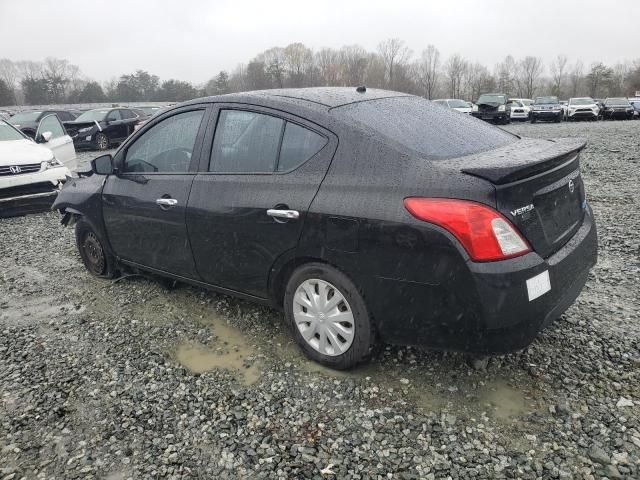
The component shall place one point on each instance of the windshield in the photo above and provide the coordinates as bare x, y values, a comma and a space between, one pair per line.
581, 101
25, 117
92, 115
427, 130
527, 102
617, 101
492, 99
516, 103
8, 133
543, 100
458, 104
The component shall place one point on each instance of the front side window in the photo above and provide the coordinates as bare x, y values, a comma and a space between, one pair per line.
166, 147
246, 142
299, 144
50, 123
114, 115
92, 115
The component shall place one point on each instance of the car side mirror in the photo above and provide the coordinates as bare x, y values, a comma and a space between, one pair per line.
44, 137
102, 165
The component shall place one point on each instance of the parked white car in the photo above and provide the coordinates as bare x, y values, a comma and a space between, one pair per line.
583, 108
31, 172
454, 104
520, 108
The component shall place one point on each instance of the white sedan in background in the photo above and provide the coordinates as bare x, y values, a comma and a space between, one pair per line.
31, 172
454, 104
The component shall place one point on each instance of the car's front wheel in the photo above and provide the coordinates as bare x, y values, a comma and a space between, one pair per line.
328, 316
102, 141
94, 254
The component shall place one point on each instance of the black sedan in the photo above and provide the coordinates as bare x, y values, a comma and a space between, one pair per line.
367, 215
617, 108
101, 128
27, 122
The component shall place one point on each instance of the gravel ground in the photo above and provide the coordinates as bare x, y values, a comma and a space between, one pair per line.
132, 379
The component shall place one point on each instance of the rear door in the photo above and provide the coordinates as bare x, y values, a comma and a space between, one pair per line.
129, 119
144, 204
60, 143
115, 128
249, 201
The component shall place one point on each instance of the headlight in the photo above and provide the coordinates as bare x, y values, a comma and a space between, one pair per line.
51, 163
85, 130
474, 108
501, 108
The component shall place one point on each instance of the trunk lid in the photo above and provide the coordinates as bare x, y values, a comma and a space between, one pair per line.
538, 186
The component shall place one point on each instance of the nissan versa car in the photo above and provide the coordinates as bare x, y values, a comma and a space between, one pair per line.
101, 128
546, 108
367, 215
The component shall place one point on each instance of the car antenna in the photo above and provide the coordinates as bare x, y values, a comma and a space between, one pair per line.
361, 89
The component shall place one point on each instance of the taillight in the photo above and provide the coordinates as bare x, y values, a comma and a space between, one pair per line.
484, 233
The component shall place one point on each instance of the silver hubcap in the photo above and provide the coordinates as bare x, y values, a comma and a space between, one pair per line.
323, 317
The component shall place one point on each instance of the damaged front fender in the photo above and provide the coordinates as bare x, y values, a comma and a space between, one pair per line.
81, 197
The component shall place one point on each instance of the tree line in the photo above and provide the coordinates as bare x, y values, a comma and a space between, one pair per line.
392, 65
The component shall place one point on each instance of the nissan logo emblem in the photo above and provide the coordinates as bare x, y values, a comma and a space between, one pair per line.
572, 186
15, 169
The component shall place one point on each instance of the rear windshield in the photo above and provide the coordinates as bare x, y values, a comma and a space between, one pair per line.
616, 101
432, 132
458, 104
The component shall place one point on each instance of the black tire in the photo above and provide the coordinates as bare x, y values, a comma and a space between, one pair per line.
102, 141
533, 120
95, 255
363, 339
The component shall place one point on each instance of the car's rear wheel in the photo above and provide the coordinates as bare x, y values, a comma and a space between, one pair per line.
102, 141
328, 316
94, 254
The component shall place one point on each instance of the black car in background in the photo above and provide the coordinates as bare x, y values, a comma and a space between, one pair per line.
101, 128
28, 121
367, 215
617, 108
547, 108
493, 107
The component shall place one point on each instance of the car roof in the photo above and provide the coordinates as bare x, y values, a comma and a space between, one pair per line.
314, 97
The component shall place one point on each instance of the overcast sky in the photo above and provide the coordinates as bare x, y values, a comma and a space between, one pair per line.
193, 40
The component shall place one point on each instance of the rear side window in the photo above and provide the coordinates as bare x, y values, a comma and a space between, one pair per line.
246, 142
127, 114
422, 127
299, 144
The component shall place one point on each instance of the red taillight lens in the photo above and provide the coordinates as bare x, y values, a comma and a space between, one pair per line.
483, 232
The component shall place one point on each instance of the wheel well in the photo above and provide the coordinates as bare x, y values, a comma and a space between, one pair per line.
279, 283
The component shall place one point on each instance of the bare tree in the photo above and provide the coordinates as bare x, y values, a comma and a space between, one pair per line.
274, 60
455, 69
558, 74
299, 62
427, 72
9, 73
506, 73
598, 78
329, 66
529, 73
354, 61
393, 53
621, 72
576, 77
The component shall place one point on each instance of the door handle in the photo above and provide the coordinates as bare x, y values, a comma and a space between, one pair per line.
166, 202
286, 214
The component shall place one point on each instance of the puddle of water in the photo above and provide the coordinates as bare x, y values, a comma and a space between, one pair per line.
504, 400
22, 312
231, 351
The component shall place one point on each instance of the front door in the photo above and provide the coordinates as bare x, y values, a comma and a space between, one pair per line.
144, 204
248, 204
59, 143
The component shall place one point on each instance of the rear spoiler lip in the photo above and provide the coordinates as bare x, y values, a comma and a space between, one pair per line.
563, 150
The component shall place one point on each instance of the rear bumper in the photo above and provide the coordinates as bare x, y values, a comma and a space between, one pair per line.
485, 307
